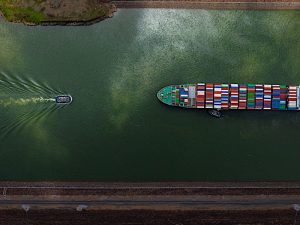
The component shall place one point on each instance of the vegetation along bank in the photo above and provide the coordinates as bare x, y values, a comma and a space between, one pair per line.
56, 12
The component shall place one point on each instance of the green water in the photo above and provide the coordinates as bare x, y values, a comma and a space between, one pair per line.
116, 129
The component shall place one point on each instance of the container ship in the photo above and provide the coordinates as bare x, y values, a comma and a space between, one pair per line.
231, 96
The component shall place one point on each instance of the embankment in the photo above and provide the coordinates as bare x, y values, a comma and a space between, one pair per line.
85, 12
149, 203
58, 12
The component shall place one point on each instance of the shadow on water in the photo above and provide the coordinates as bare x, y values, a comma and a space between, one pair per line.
25, 101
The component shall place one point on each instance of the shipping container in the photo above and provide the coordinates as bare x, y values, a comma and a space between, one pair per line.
259, 96
292, 97
225, 96
251, 96
242, 96
217, 96
209, 98
234, 96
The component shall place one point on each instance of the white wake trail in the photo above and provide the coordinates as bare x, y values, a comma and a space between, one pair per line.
24, 101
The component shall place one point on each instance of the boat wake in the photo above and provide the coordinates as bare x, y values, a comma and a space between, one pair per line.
19, 85
24, 102
21, 121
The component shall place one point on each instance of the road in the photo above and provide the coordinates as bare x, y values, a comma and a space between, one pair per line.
151, 195
153, 202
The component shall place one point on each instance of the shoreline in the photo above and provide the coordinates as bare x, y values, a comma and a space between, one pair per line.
134, 203
62, 22
175, 189
74, 23
60, 12
174, 4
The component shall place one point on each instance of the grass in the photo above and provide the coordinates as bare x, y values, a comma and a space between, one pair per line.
31, 11
101, 12
14, 13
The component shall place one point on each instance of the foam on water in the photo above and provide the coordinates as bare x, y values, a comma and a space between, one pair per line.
25, 101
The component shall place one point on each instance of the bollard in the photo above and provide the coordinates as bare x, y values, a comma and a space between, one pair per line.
79, 208
297, 207
26, 207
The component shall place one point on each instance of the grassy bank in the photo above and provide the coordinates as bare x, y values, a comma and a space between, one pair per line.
14, 12
39, 11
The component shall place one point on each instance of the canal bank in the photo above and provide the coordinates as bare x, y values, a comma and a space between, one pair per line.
59, 12
84, 13
155, 203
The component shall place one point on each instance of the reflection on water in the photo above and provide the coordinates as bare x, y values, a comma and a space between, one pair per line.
10, 47
37, 98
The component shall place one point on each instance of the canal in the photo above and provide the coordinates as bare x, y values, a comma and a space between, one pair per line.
116, 129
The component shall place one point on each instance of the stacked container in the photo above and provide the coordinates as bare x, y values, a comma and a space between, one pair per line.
177, 96
186, 102
297, 99
259, 96
234, 96
200, 98
251, 96
267, 96
192, 95
173, 95
186, 99
283, 95
209, 98
217, 96
275, 97
292, 98
242, 96
183, 94
224, 96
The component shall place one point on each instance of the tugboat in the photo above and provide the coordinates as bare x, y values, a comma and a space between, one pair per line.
215, 113
63, 99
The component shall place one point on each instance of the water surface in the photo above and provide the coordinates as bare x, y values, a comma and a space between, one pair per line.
116, 129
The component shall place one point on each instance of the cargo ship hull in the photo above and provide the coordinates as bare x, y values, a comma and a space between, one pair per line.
231, 96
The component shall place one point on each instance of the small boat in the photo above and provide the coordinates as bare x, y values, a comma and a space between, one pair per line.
63, 99
215, 113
